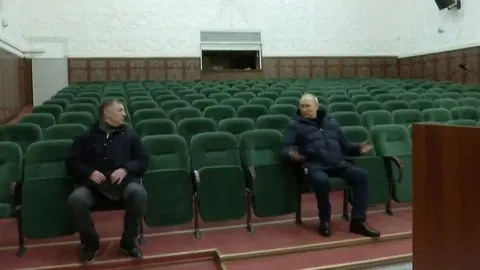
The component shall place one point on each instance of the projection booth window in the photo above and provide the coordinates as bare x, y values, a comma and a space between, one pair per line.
230, 60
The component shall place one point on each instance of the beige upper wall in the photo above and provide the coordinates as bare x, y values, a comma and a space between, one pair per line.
420, 22
164, 28
11, 26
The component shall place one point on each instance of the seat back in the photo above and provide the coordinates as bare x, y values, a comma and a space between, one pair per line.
23, 134
10, 172
168, 181
236, 126
43, 120
83, 118
143, 114
394, 141
64, 131
189, 127
261, 155
219, 176
46, 189
277, 122
53, 109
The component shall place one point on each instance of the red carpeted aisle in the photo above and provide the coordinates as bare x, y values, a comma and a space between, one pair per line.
230, 243
327, 257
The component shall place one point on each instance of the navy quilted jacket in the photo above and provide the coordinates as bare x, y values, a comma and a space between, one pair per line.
320, 141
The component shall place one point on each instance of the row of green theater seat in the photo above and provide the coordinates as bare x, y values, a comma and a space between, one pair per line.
172, 109
326, 97
287, 90
201, 101
253, 111
255, 105
26, 133
405, 117
320, 82
256, 89
177, 173
325, 83
157, 123
430, 100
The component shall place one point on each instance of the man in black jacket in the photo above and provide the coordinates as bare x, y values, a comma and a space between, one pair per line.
107, 162
316, 141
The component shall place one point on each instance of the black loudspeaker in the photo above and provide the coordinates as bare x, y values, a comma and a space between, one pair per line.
443, 4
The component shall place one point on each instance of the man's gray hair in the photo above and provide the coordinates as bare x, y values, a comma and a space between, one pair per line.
105, 104
309, 96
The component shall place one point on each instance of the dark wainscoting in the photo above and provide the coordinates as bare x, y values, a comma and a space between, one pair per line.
15, 85
440, 66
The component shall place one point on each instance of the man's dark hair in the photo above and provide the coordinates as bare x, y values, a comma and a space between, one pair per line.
105, 104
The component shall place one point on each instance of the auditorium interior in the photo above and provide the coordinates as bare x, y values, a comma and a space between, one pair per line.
210, 88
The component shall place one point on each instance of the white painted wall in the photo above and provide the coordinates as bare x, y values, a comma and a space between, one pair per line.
12, 26
419, 21
135, 28
165, 28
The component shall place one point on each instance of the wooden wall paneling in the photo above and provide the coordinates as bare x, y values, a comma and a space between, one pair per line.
334, 67
99, 69
156, 69
428, 66
25, 82
319, 69
378, 67
441, 67
302, 67
78, 70
118, 70
392, 67
192, 69
472, 60
349, 67
15, 86
138, 69
269, 67
455, 58
364, 67
405, 68
286, 67
417, 67
445, 197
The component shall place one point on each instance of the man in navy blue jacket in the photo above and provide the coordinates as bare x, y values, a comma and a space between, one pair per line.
316, 141
107, 162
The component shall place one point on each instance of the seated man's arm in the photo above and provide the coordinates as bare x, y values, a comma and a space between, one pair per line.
348, 148
76, 167
140, 158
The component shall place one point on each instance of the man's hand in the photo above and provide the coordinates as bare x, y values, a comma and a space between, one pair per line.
365, 147
97, 177
118, 175
294, 155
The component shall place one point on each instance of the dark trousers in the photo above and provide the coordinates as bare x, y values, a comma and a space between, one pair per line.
355, 177
83, 199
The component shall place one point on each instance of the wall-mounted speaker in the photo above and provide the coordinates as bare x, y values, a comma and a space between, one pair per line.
443, 4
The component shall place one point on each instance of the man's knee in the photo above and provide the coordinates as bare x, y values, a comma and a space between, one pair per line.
358, 176
80, 198
135, 192
318, 180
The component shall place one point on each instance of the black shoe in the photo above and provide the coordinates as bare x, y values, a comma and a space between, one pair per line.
324, 229
89, 252
361, 227
131, 250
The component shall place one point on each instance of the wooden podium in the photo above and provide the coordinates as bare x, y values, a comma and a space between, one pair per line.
446, 197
